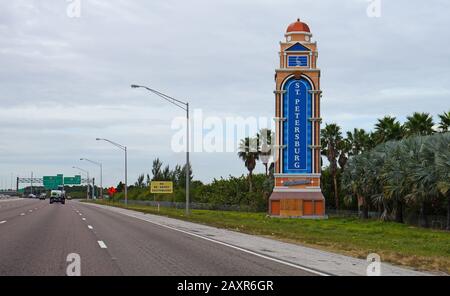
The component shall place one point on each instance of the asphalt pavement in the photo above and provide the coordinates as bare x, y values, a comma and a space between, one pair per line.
36, 238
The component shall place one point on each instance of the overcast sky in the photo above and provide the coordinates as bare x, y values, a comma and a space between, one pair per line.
65, 81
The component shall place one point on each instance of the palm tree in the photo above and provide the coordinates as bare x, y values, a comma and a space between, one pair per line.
387, 129
331, 139
442, 161
394, 179
264, 138
344, 150
444, 125
249, 153
359, 141
419, 124
422, 179
357, 179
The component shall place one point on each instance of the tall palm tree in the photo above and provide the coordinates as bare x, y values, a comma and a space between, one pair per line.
249, 153
331, 139
444, 125
344, 150
419, 124
264, 138
359, 141
387, 129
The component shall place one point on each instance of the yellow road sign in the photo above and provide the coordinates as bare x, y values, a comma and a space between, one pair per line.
163, 187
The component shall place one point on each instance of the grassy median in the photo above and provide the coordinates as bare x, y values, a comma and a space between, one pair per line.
423, 249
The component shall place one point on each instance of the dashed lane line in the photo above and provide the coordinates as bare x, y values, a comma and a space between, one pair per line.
102, 244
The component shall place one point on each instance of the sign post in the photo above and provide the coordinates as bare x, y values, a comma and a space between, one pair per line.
161, 187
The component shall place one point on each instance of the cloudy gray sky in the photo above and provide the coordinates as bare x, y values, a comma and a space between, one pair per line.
65, 81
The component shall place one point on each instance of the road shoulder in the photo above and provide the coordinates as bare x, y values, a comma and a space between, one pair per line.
322, 261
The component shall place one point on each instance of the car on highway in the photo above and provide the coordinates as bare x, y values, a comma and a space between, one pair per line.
31, 195
43, 196
58, 196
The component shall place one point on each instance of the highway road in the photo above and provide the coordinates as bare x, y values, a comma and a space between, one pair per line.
36, 238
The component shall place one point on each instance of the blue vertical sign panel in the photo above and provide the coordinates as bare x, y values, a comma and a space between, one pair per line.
297, 136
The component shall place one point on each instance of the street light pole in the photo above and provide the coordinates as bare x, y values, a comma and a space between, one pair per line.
101, 173
188, 175
184, 106
88, 180
124, 148
126, 177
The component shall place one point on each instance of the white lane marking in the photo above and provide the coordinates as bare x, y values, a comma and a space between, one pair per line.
90, 227
2, 222
84, 219
232, 246
102, 244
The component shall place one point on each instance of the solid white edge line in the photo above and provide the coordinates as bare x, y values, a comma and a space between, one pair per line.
102, 244
232, 246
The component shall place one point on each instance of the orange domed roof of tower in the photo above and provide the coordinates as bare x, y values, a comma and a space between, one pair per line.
298, 26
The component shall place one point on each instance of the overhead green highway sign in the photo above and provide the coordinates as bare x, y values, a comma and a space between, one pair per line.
72, 180
52, 182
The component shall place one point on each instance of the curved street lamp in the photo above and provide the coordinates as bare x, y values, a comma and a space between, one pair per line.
101, 173
184, 106
124, 148
88, 180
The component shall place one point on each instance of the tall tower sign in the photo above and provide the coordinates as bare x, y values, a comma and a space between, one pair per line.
297, 190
